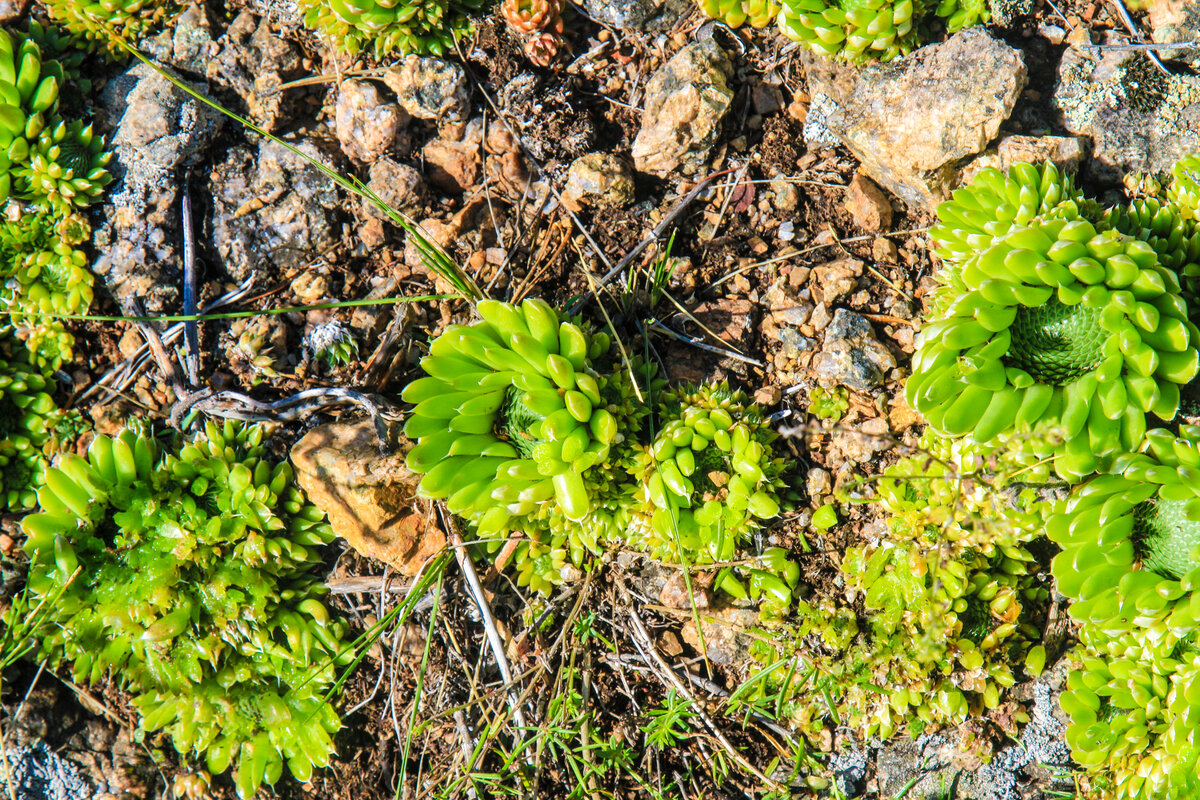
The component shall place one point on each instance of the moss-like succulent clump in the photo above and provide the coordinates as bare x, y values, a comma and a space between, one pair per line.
415, 26
1050, 324
1131, 540
861, 30
528, 425
735, 13
1132, 705
103, 22
1184, 191
197, 592
26, 409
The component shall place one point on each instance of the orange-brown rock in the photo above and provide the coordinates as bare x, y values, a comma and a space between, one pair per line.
368, 495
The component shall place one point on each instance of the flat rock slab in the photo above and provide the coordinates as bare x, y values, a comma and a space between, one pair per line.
368, 495
912, 121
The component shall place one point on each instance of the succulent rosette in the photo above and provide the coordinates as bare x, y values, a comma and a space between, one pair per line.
1131, 541
65, 168
102, 22
995, 203
423, 27
1174, 238
1058, 325
1184, 191
198, 591
734, 13
25, 405
1133, 707
514, 422
861, 30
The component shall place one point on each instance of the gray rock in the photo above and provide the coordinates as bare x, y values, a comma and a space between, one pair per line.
640, 15
686, 100
188, 44
158, 132
254, 61
430, 88
398, 185
1006, 12
38, 773
599, 180
1139, 120
849, 772
851, 355
366, 124
911, 122
793, 343
271, 209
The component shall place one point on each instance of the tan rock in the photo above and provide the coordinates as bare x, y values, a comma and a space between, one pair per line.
867, 203
366, 124
727, 634
368, 496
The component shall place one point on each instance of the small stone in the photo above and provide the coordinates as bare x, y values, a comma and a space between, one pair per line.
837, 278
367, 495
686, 100
818, 483
866, 202
675, 593
820, 317
310, 287
900, 416
884, 250
851, 355
430, 88
455, 165
768, 396
600, 180
398, 185
366, 124
767, 98
727, 634
12, 9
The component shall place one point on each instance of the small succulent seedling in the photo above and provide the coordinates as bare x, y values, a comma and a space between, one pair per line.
1184, 191
197, 593
428, 27
828, 404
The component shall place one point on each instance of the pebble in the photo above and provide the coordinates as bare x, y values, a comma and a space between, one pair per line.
366, 124
867, 204
599, 180
430, 88
851, 356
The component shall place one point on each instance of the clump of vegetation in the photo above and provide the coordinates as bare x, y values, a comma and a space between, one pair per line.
734, 13
1050, 323
950, 594
424, 27
198, 594
332, 343
873, 29
1184, 191
829, 404
529, 424
26, 414
541, 21
105, 23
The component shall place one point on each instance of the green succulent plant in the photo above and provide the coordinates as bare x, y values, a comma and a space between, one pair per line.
25, 407
1174, 238
198, 593
511, 417
1053, 325
734, 13
861, 30
332, 343
1184, 191
1130, 540
828, 403
1132, 705
65, 168
428, 27
103, 22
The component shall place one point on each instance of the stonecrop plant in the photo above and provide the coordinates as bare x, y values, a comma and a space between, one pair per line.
862, 30
26, 414
529, 424
734, 13
102, 22
423, 27
1049, 322
198, 593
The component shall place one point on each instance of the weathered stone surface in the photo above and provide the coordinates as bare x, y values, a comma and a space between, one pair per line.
398, 185
686, 100
367, 495
636, 14
1175, 21
851, 355
366, 124
271, 208
430, 88
598, 180
454, 160
158, 132
1066, 152
727, 634
912, 121
1139, 120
